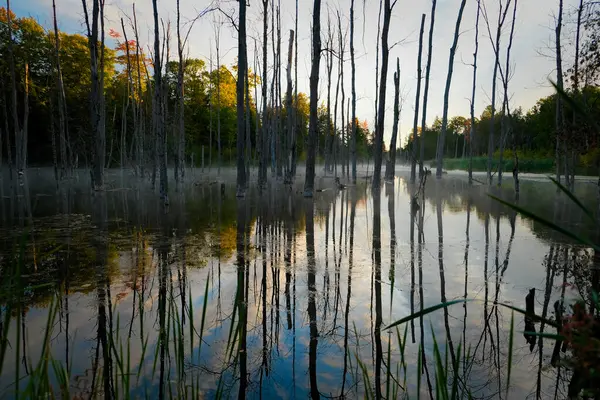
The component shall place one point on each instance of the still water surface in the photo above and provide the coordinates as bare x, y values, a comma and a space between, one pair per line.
279, 296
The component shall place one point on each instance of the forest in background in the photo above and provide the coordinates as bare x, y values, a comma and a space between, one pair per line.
150, 107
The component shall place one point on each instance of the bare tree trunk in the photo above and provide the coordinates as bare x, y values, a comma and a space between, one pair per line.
97, 90
295, 127
248, 113
262, 176
210, 112
506, 118
7, 132
290, 114
413, 163
279, 146
491, 145
472, 133
158, 117
353, 66
576, 79
329, 67
387, 14
15, 115
559, 106
314, 93
217, 43
64, 162
139, 124
426, 90
240, 89
442, 137
335, 140
390, 170
342, 49
180, 159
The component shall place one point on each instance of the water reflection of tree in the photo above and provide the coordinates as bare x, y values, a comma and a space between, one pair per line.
312, 293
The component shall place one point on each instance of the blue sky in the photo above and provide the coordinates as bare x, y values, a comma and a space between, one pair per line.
532, 57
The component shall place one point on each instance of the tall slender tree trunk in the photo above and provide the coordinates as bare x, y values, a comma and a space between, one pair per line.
240, 89
19, 162
496, 45
314, 94
387, 15
442, 137
342, 45
97, 89
140, 122
426, 89
219, 152
158, 117
353, 66
290, 113
559, 106
390, 170
506, 118
472, 130
180, 159
295, 127
416, 141
64, 161
262, 176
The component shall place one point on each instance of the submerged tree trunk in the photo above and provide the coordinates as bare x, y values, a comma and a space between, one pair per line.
64, 161
491, 145
413, 165
353, 66
442, 137
314, 93
387, 15
472, 131
97, 90
262, 174
390, 169
329, 67
180, 159
290, 114
426, 89
240, 90
559, 106
342, 49
158, 117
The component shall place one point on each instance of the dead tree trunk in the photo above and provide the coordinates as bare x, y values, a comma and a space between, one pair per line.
240, 90
387, 15
19, 139
180, 158
559, 125
217, 44
442, 137
506, 118
97, 90
290, 114
158, 117
342, 49
353, 66
472, 132
413, 164
295, 127
491, 145
64, 161
314, 94
426, 90
390, 168
139, 121
329, 67
262, 175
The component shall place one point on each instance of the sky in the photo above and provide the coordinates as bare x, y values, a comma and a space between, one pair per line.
532, 57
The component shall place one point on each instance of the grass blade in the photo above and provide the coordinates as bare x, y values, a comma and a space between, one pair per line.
425, 311
511, 338
573, 198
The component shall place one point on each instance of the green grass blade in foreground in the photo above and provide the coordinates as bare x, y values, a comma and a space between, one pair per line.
532, 316
573, 198
425, 311
549, 224
511, 338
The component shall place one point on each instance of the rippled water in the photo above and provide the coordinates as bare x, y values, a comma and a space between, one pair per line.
278, 296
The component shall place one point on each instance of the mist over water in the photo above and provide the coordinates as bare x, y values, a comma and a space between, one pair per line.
279, 296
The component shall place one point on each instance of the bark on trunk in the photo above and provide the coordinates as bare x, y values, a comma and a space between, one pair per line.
426, 90
180, 159
342, 49
559, 105
97, 114
353, 66
61, 104
290, 114
472, 131
413, 165
390, 170
387, 14
263, 162
442, 137
314, 93
240, 89
491, 145
158, 117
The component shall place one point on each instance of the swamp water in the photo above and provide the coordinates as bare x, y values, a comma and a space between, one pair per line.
278, 296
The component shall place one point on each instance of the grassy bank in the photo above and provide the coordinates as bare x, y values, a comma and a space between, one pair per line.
526, 165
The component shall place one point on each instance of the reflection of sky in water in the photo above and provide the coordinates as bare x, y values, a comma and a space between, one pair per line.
287, 354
